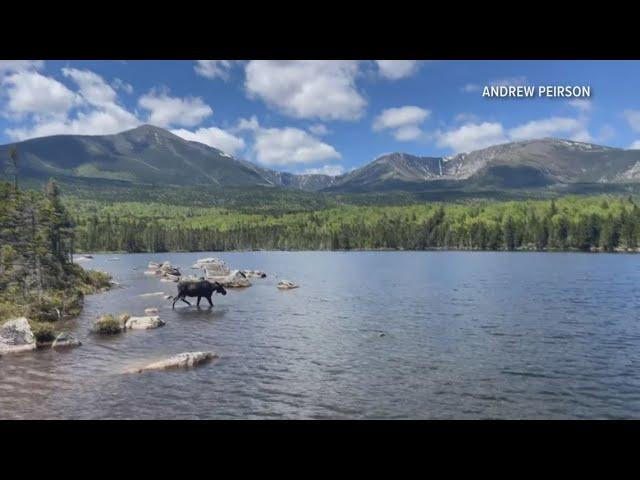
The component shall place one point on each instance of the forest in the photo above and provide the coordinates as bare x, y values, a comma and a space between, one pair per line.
579, 223
38, 278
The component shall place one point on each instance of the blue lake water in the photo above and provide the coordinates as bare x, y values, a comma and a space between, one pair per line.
367, 335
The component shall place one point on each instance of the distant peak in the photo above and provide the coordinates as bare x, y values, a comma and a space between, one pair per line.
146, 128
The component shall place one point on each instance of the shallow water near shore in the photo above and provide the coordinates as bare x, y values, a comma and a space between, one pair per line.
367, 335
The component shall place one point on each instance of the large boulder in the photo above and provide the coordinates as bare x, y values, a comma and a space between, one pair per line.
214, 266
143, 323
16, 336
182, 360
235, 279
64, 340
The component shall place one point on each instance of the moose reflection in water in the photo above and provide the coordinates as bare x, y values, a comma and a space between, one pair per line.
197, 288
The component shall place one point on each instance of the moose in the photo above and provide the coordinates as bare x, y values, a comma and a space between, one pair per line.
197, 288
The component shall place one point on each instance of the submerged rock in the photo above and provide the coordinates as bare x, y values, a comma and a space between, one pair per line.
286, 285
64, 340
152, 294
16, 336
151, 311
182, 360
143, 323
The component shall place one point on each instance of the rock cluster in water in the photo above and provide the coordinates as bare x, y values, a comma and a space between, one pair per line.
166, 271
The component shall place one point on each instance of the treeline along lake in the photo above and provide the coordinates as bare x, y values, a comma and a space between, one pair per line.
581, 223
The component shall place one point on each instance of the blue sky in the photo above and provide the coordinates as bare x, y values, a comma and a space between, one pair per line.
321, 116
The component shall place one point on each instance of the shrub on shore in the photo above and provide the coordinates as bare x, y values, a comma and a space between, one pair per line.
109, 325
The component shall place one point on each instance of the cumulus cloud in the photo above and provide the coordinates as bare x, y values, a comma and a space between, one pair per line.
322, 89
396, 69
166, 111
51, 108
213, 69
547, 128
214, 137
402, 121
633, 119
12, 66
635, 145
331, 170
472, 136
286, 146
29, 92
248, 124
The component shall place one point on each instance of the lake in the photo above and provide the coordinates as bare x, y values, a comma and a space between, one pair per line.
380, 335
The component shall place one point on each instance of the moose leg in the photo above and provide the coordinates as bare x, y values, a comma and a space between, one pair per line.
210, 302
198, 304
175, 299
185, 301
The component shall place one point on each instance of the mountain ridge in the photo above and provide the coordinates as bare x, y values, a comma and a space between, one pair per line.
152, 155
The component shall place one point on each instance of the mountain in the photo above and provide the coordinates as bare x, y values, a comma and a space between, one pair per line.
153, 156
527, 164
146, 155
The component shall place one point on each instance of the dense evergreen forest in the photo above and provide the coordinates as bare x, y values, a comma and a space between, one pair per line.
604, 223
38, 278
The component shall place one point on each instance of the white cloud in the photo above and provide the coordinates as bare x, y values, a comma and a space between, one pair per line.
120, 84
633, 119
29, 92
405, 134
250, 124
323, 89
92, 87
472, 136
319, 129
54, 109
96, 122
214, 137
165, 111
213, 69
399, 117
470, 88
548, 127
396, 69
286, 146
12, 66
332, 170
635, 145
403, 121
